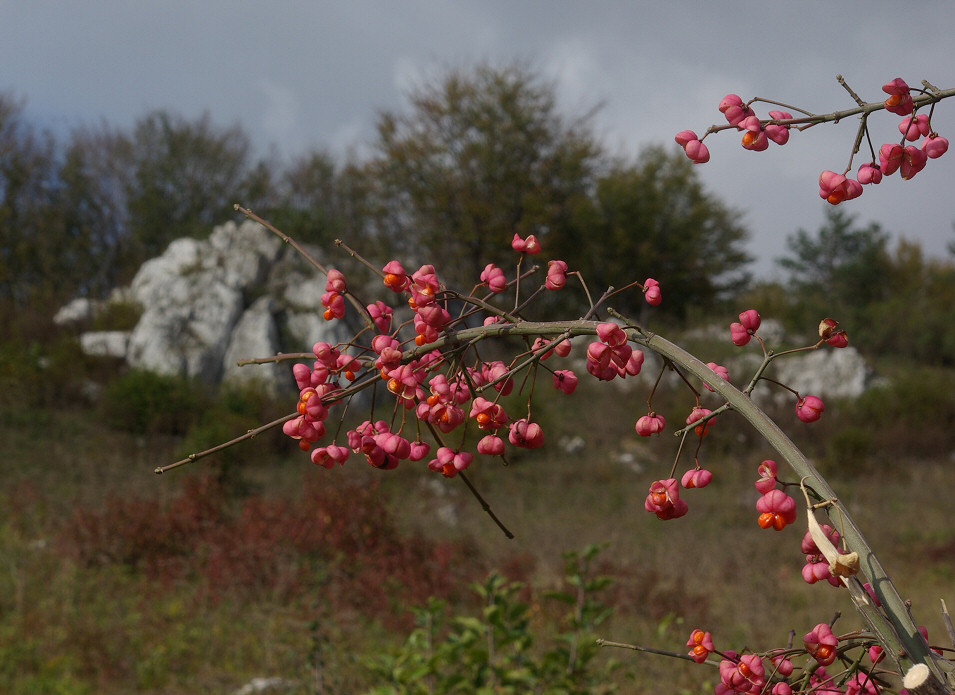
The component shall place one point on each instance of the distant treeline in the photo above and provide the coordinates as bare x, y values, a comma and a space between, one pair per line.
478, 156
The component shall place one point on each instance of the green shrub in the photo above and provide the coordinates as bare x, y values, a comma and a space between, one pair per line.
143, 402
495, 651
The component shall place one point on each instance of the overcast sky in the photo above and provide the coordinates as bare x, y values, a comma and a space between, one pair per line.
300, 75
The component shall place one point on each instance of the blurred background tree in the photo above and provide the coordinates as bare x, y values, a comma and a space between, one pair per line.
653, 218
35, 249
481, 155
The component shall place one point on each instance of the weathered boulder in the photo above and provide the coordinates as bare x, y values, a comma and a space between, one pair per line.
255, 335
105, 343
206, 304
827, 373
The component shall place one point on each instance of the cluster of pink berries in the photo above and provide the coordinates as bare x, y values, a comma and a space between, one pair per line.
612, 356
772, 673
808, 408
435, 389
776, 509
756, 134
835, 188
908, 160
775, 673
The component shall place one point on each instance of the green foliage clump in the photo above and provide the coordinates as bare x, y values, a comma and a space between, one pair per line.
911, 416
495, 651
144, 402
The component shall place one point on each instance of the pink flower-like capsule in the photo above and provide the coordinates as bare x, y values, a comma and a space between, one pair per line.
334, 305
490, 445
750, 320
529, 245
652, 292
900, 100
310, 404
321, 457
493, 277
821, 644
698, 414
395, 277
526, 434
697, 152
685, 136
556, 275
449, 462
696, 478
692, 146
816, 568
748, 324
869, 173
778, 133
808, 546
913, 161
809, 408
611, 334
649, 425
493, 372
755, 137
721, 371
489, 416
664, 499
565, 380
782, 665
890, 158
701, 645
419, 450
335, 281
830, 332
742, 674
380, 314
732, 107
776, 509
835, 188
767, 476
598, 361
934, 146
914, 127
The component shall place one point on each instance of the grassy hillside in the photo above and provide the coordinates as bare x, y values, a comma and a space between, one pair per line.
259, 564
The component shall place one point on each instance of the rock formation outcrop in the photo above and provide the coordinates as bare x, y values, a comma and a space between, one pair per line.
206, 304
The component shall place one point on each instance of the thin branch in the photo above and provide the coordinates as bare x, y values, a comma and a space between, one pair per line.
251, 434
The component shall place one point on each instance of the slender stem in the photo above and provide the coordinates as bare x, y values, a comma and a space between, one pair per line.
836, 116
251, 434
648, 650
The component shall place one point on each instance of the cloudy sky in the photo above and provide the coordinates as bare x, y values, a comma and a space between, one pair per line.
300, 75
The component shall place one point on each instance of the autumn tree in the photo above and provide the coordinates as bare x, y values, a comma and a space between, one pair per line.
480, 156
186, 177
32, 250
317, 199
653, 218
839, 269
484, 155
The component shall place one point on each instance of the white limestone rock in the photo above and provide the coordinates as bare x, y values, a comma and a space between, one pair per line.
105, 343
255, 335
826, 373
193, 296
76, 311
